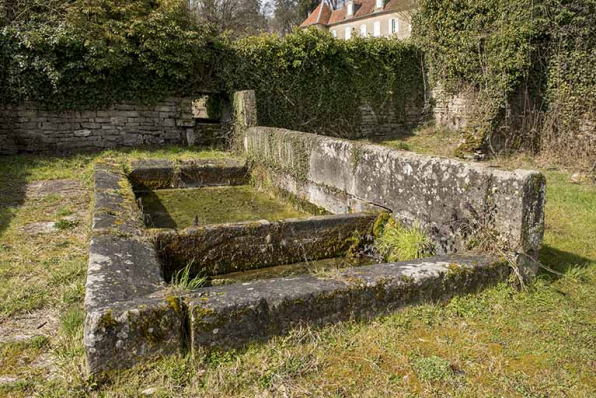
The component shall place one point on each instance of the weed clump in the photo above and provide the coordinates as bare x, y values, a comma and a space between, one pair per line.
433, 368
63, 224
394, 242
182, 280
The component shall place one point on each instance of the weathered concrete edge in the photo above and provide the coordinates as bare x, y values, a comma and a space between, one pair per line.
250, 245
123, 325
234, 315
163, 174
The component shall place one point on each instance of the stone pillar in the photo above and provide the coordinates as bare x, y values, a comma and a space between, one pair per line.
245, 109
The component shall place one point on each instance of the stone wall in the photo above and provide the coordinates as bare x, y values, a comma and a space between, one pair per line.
452, 111
30, 128
450, 198
388, 123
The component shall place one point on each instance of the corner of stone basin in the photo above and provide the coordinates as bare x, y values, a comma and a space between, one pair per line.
124, 334
189, 173
128, 319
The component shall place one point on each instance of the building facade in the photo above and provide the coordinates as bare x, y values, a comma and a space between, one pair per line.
364, 18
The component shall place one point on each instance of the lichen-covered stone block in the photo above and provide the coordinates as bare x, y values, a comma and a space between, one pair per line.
225, 248
245, 106
160, 174
233, 315
123, 334
454, 201
129, 317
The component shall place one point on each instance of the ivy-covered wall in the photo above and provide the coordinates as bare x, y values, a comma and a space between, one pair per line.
529, 64
311, 82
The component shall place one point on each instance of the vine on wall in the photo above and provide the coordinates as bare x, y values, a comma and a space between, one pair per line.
309, 81
544, 49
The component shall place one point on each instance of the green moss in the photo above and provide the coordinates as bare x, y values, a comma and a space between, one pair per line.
379, 224
177, 208
406, 279
356, 155
107, 320
457, 273
174, 303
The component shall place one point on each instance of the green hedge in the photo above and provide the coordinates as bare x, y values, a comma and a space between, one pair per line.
309, 81
501, 47
485, 45
572, 83
103, 51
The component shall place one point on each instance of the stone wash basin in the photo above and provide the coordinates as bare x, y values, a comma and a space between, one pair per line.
216, 224
269, 266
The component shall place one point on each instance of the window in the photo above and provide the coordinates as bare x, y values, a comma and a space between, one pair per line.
334, 33
363, 30
393, 26
348, 33
377, 29
380, 3
350, 9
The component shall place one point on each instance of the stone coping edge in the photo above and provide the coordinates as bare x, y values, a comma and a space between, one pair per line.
233, 315
164, 174
250, 245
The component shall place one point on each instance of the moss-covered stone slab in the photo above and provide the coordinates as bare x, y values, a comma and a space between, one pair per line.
455, 201
160, 174
233, 315
129, 318
225, 248
123, 334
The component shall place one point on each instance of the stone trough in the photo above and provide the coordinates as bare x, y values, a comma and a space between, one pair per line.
134, 315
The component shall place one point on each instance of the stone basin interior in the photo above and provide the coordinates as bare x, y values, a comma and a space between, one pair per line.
239, 233
182, 208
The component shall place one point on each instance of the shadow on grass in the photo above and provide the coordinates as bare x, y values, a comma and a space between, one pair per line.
13, 189
17, 171
561, 261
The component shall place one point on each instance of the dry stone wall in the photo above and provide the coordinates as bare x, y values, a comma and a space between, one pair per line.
452, 111
30, 128
387, 123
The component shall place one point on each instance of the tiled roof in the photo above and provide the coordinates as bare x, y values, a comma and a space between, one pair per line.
362, 8
337, 16
318, 16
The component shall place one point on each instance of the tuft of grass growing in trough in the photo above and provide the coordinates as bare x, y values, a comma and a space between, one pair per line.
183, 279
398, 243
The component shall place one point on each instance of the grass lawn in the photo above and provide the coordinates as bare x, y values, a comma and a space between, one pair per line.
540, 342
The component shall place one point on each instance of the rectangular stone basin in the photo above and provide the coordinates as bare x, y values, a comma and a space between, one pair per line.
181, 208
269, 271
225, 226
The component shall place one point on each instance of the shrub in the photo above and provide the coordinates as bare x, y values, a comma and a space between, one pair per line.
105, 51
539, 51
